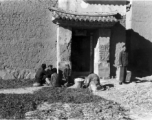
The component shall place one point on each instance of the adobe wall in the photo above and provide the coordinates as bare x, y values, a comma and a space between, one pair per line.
141, 36
27, 36
101, 7
65, 37
81, 6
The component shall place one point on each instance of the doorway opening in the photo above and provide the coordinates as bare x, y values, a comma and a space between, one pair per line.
81, 57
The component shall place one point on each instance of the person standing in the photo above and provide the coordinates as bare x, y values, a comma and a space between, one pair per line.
123, 63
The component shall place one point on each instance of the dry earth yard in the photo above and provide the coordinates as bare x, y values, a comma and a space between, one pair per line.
137, 97
131, 101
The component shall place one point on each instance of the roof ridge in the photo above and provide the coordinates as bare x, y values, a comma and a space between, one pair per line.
78, 14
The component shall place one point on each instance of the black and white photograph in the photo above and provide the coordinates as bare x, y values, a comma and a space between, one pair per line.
75, 59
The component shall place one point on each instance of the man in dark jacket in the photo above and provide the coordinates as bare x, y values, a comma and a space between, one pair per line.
49, 71
40, 75
123, 62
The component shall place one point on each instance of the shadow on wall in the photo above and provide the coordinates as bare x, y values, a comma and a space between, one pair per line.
118, 38
140, 57
139, 49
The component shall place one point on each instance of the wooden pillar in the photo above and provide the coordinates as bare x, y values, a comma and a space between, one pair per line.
58, 48
91, 53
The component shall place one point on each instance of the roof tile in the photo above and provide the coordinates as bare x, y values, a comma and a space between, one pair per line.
63, 15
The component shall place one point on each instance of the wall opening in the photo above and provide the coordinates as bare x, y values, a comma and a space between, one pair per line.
80, 55
81, 48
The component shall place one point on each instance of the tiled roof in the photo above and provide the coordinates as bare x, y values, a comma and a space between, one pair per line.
71, 16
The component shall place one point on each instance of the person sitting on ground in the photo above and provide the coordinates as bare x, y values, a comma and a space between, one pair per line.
54, 82
92, 81
67, 75
48, 74
40, 76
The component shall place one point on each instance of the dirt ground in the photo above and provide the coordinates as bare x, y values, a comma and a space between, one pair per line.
137, 97
25, 90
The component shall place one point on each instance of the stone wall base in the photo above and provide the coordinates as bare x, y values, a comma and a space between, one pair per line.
10, 74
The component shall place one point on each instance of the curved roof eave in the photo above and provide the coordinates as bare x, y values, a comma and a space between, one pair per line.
59, 14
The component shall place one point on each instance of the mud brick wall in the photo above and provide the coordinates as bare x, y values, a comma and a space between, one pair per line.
27, 34
65, 36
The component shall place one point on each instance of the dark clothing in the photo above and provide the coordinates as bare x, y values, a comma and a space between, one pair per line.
67, 74
55, 80
123, 62
123, 72
49, 73
123, 58
40, 76
93, 79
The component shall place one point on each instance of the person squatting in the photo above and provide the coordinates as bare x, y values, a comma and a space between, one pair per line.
49, 77
46, 76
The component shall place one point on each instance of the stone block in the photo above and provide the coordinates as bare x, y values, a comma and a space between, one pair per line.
104, 70
2, 74
21, 74
32, 75
8, 76
15, 73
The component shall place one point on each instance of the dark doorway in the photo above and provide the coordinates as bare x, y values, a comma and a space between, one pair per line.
80, 51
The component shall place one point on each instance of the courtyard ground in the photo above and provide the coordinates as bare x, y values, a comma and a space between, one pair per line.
135, 97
